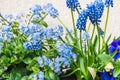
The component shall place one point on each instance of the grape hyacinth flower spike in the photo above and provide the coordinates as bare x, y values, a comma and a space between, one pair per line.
82, 19
73, 4
95, 11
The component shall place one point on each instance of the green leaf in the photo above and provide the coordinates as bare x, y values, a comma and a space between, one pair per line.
108, 39
43, 23
95, 42
104, 57
52, 76
13, 59
25, 78
82, 66
4, 60
78, 69
27, 60
35, 69
116, 71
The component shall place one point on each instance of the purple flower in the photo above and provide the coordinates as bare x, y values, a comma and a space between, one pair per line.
115, 45
106, 75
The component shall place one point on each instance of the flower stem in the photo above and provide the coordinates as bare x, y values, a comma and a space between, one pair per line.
93, 31
73, 21
106, 22
98, 38
70, 35
81, 41
89, 25
61, 22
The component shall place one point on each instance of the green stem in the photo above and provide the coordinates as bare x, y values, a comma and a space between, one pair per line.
93, 31
70, 35
98, 38
44, 17
61, 22
89, 27
75, 30
81, 41
106, 22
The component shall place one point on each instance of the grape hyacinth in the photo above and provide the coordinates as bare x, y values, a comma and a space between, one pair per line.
115, 45
33, 45
109, 3
82, 19
95, 11
49, 9
106, 75
73, 4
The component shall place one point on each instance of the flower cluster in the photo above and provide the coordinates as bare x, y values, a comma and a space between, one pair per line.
106, 75
109, 3
65, 55
39, 76
65, 51
35, 34
73, 4
33, 45
115, 46
51, 10
36, 9
6, 34
82, 19
54, 33
94, 11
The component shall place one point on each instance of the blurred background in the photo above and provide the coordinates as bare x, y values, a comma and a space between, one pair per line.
17, 6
